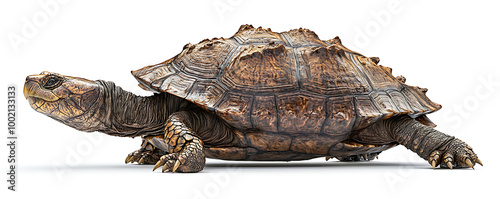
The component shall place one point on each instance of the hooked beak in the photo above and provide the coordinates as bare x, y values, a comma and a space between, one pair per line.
26, 92
32, 89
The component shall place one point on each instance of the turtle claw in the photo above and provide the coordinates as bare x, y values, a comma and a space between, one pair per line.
139, 156
165, 168
176, 166
167, 161
128, 159
157, 165
132, 157
191, 159
434, 158
469, 163
479, 162
450, 165
144, 156
141, 161
456, 154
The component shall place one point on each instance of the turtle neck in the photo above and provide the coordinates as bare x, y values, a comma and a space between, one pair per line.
125, 114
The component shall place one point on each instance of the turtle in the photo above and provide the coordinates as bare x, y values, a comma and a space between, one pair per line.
256, 96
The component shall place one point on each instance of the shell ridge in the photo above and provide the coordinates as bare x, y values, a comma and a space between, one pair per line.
218, 102
188, 91
296, 60
278, 118
322, 129
286, 39
356, 115
302, 36
227, 60
375, 104
252, 102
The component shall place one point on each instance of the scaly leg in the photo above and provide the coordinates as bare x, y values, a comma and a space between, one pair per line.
185, 149
435, 147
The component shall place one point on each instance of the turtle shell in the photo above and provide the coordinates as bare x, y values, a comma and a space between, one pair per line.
289, 82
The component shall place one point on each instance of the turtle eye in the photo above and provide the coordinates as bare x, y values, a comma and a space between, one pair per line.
52, 83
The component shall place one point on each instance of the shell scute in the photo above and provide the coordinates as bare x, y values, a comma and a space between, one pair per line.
261, 68
206, 94
367, 112
300, 112
204, 60
341, 116
385, 104
401, 102
235, 110
177, 84
324, 70
264, 113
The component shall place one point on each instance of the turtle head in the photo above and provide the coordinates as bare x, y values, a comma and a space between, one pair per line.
60, 97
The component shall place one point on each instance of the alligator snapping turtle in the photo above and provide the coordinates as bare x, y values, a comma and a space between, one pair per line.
259, 95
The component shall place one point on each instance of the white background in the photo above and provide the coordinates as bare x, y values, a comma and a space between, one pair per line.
449, 47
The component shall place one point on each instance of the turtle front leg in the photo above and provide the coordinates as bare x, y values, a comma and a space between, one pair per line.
435, 147
185, 149
147, 154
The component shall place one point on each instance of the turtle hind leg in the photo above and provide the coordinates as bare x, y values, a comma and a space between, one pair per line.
147, 154
434, 146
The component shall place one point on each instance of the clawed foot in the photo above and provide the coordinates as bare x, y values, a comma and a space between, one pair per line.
356, 158
456, 154
191, 159
147, 154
